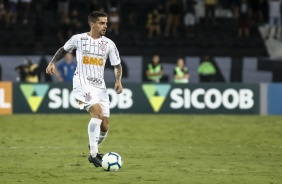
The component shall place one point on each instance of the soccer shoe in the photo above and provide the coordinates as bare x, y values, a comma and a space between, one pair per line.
100, 156
97, 162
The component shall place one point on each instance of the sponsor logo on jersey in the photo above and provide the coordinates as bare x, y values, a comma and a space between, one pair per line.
86, 52
156, 94
95, 81
83, 38
34, 94
87, 60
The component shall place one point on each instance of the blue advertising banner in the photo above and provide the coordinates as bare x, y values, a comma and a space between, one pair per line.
275, 99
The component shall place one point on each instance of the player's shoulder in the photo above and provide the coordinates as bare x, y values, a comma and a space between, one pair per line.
107, 40
80, 36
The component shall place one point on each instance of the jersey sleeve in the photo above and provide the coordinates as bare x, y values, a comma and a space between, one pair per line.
114, 54
71, 44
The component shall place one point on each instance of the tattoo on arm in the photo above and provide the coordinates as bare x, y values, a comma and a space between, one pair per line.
59, 55
118, 72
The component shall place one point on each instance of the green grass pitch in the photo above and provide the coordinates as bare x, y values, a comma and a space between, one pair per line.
155, 149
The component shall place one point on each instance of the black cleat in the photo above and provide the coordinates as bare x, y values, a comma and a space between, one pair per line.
96, 161
99, 156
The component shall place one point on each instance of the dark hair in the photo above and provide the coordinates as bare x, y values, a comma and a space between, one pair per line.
94, 16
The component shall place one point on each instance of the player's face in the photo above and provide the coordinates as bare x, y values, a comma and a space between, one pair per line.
100, 26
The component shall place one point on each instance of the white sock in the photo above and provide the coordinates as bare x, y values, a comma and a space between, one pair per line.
93, 134
102, 137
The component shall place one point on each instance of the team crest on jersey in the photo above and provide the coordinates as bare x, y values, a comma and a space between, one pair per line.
102, 45
87, 97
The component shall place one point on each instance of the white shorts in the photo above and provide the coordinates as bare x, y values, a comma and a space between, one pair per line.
89, 95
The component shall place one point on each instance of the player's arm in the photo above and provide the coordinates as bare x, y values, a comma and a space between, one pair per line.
57, 57
116, 62
68, 47
118, 74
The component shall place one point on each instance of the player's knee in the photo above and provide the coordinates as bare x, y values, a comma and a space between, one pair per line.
100, 115
96, 111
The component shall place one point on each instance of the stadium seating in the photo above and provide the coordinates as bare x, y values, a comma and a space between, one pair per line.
218, 40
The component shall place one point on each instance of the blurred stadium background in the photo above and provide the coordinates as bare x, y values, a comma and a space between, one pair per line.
247, 84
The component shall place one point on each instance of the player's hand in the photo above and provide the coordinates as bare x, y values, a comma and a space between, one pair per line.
50, 69
118, 87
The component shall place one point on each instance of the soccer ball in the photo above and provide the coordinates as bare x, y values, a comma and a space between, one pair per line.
111, 161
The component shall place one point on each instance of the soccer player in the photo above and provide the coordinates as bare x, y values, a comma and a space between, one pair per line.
92, 50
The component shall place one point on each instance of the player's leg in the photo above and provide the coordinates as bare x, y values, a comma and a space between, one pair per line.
93, 133
104, 130
105, 105
94, 128
89, 100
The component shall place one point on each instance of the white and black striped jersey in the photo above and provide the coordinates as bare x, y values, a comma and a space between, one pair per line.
91, 56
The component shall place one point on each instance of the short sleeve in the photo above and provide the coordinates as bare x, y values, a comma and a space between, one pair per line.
114, 54
70, 45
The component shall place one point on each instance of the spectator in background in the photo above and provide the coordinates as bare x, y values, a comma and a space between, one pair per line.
76, 24
3, 12
42, 76
173, 9
210, 6
114, 20
63, 7
235, 4
181, 73
154, 23
25, 5
206, 70
244, 15
190, 17
12, 12
256, 10
113, 4
264, 10
274, 18
65, 70
132, 17
65, 30
28, 71
38, 26
96, 5
154, 70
